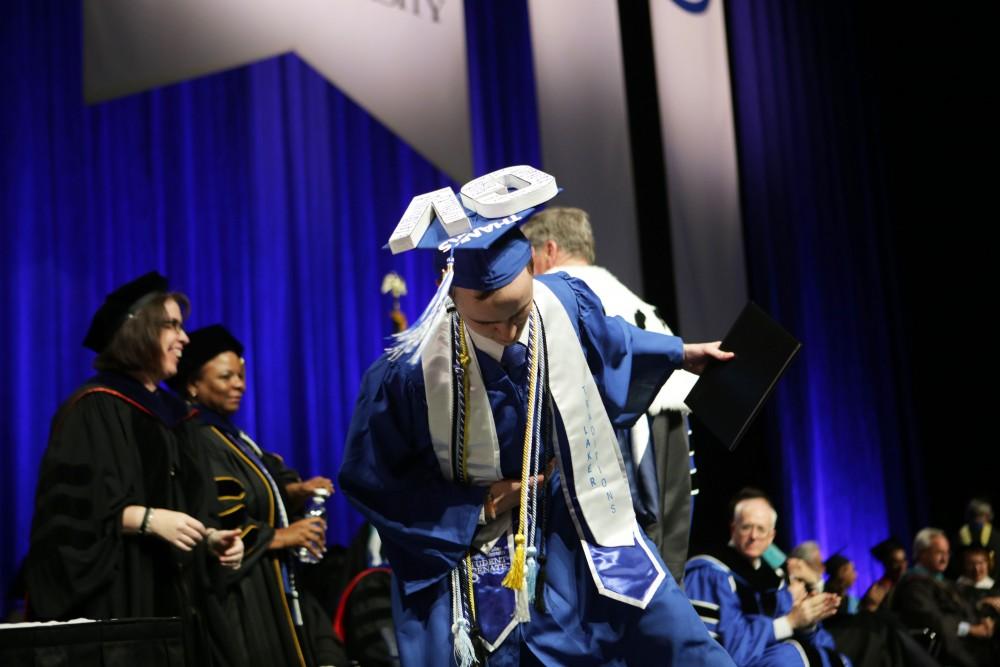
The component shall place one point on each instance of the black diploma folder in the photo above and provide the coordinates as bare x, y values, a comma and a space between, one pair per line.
729, 394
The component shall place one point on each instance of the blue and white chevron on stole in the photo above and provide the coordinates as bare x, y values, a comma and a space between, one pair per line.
593, 479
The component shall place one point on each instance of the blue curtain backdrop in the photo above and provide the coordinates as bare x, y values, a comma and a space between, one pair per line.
817, 224
263, 193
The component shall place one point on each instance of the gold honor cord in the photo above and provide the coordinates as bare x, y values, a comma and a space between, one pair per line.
464, 359
515, 577
471, 591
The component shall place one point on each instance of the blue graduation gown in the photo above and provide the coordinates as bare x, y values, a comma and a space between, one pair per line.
427, 523
739, 606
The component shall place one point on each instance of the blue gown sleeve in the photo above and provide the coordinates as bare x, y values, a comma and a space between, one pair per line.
744, 636
391, 474
629, 364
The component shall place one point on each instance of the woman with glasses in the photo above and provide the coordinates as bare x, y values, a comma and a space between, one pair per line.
123, 507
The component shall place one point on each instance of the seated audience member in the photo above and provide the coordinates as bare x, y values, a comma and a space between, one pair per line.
891, 554
809, 555
266, 618
749, 608
978, 531
925, 599
655, 451
868, 639
976, 584
842, 576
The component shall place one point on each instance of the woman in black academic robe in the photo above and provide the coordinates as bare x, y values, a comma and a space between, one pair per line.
264, 618
122, 502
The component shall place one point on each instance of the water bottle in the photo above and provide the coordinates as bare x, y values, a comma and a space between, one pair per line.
315, 507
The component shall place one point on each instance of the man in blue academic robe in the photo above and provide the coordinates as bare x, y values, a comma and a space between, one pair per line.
747, 606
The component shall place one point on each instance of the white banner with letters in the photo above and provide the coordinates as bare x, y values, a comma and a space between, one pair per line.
404, 61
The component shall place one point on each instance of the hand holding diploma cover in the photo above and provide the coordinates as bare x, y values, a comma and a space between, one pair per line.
728, 396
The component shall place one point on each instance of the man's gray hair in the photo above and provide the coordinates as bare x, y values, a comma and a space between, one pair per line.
924, 538
976, 507
807, 551
568, 227
740, 506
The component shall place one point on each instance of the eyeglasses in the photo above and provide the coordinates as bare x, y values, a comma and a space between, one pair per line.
757, 530
174, 324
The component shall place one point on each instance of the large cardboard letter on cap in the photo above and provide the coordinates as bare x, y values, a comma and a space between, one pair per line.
418, 216
508, 190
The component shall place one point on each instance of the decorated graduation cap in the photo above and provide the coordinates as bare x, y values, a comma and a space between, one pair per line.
205, 344
121, 305
477, 241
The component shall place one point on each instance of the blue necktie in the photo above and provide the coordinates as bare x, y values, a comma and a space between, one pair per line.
513, 361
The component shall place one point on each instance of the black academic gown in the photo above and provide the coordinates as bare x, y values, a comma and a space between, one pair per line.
923, 601
114, 444
253, 622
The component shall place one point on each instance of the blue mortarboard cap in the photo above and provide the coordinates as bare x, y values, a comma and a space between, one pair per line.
491, 260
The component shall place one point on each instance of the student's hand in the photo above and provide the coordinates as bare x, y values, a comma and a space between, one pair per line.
504, 495
697, 356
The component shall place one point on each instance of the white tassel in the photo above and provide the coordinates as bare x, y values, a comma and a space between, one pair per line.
465, 653
521, 605
413, 341
531, 573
